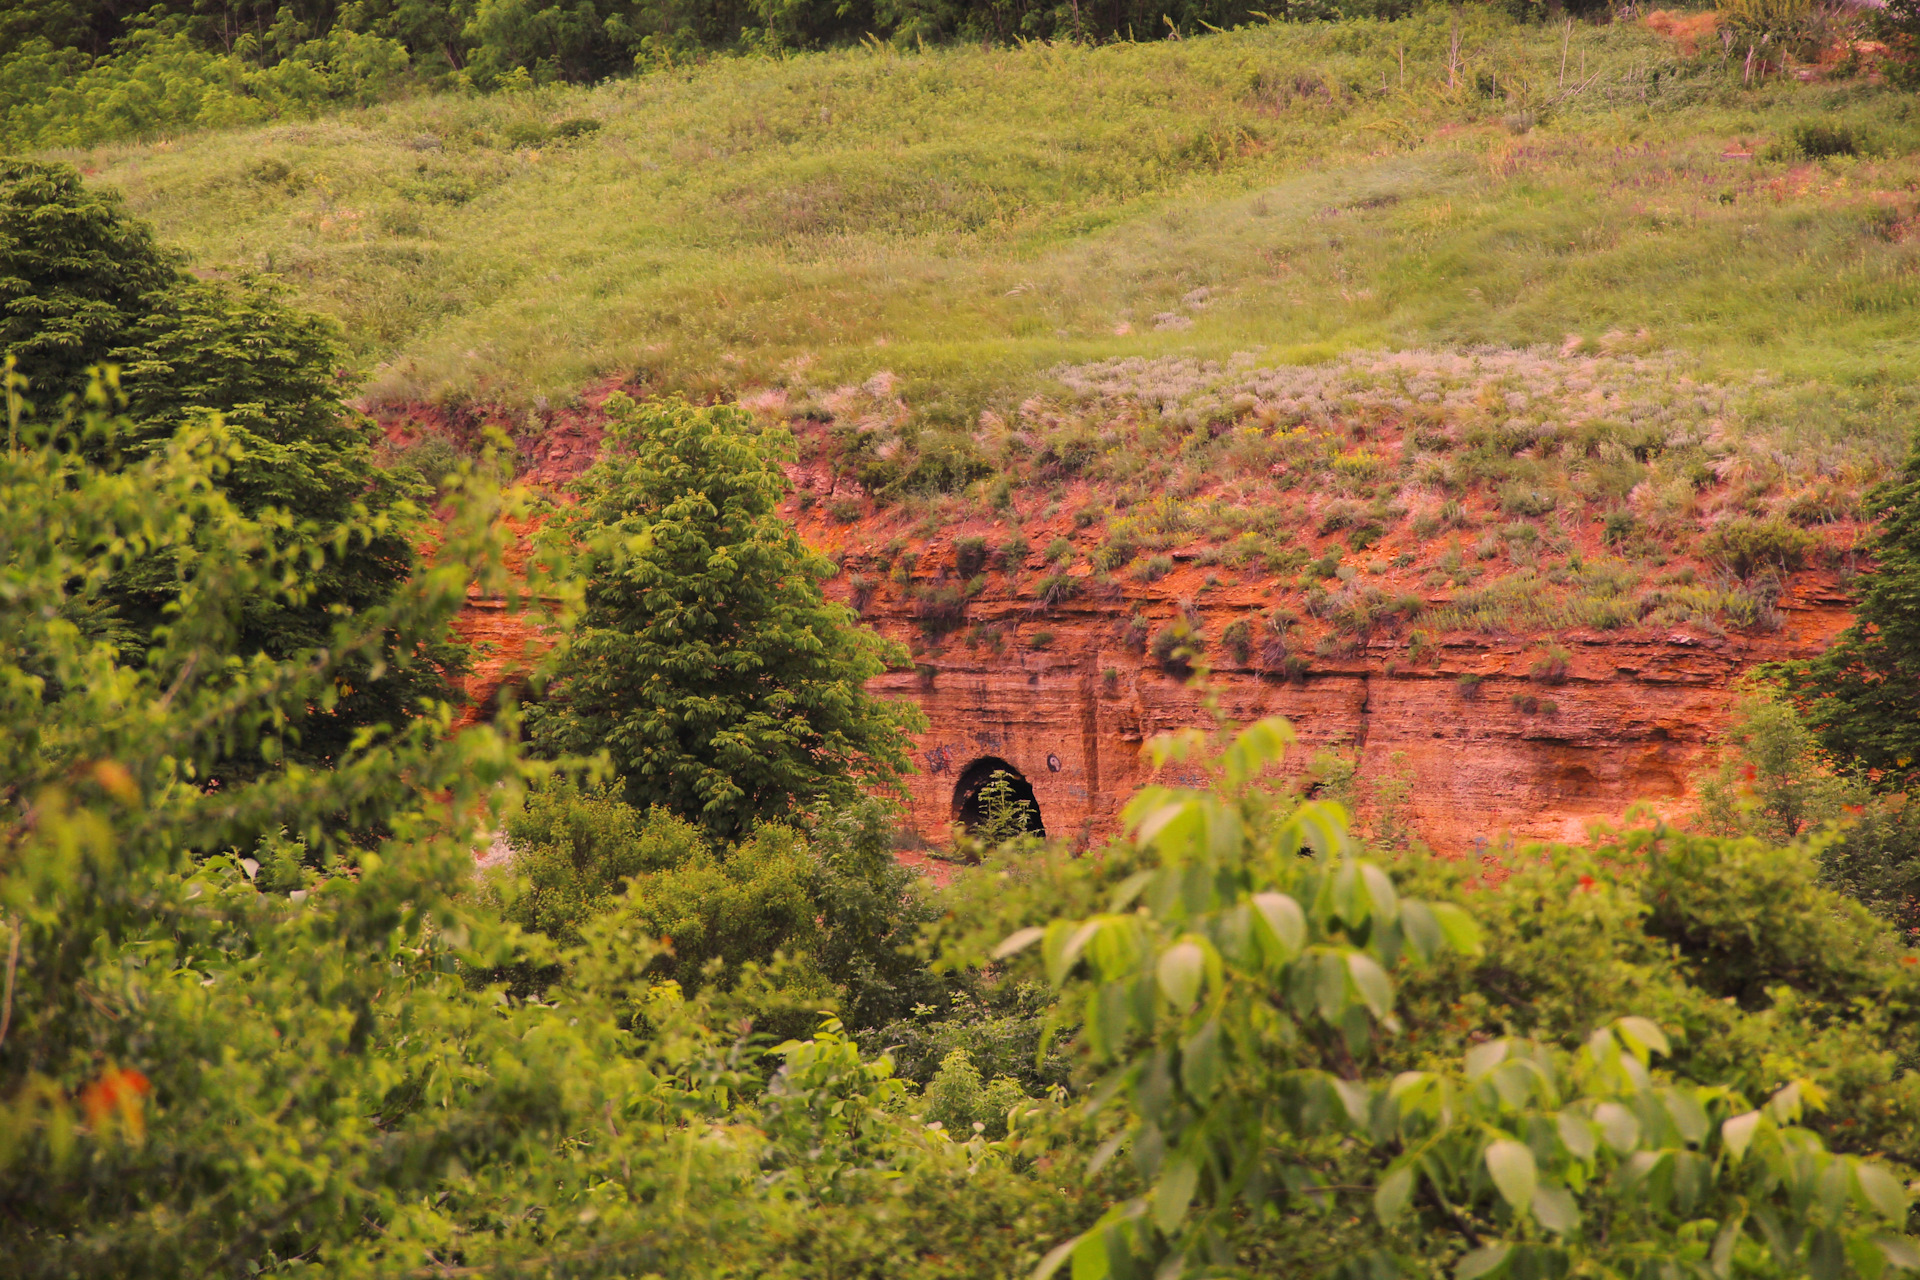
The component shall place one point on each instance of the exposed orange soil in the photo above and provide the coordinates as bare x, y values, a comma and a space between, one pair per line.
1065, 696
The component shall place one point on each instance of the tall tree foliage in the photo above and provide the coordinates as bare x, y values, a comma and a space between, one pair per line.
708, 664
83, 285
1862, 696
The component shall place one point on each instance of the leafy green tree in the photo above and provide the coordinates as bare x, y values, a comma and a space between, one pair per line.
826, 910
1862, 696
82, 285
575, 847
1776, 782
708, 664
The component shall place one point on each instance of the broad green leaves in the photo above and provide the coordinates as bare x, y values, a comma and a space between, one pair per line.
1512, 1167
1235, 992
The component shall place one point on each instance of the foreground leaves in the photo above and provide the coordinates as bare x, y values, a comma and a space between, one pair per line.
1232, 997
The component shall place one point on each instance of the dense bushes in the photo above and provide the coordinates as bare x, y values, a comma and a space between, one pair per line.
83, 285
1862, 697
201, 1068
80, 72
83, 73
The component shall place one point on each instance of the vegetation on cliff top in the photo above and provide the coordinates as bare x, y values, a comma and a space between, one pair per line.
1536, 307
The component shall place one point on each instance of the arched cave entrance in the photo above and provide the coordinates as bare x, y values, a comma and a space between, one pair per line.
969, 810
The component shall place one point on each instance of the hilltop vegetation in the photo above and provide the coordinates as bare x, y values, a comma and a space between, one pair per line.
977, 235
987, 214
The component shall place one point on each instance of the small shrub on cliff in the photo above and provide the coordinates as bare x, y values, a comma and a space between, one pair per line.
940, 609
1057, 588
1176, 646
1237, 640
1552, 666
970, 556
1153, 569
1744, 545
1521, 499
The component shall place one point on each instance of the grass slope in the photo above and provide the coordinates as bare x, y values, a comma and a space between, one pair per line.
970, 218
1523, 325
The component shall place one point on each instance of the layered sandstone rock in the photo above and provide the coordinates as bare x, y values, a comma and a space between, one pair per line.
1064, 698
1631, 720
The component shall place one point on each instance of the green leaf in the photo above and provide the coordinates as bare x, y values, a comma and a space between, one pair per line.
1055, 1258
1106, 1151
1576, 1134
1018, 942
1349, 903
1355, 1097
1422, 930
1090, 1260
1256, 748
1064, 944
1511, 1164
1833, 1185
1386, 902
1175, 1192
1129, 889
1864, 1258
1179, 972
1330, 986
1483, 1261
1555, 1208
1688, 1116
1738, 1131
1881, 1191
1642, 1037
1483, 1058
1390, 1198
1202, 1064
1460, 929
1721, 1258
1827, 1256
1372, 981
1284, 920
1618, 1126
1899, 1251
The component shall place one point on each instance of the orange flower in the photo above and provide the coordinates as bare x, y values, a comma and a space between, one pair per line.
117, 1092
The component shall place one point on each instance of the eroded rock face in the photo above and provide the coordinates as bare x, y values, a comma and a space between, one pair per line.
1631, 719
1065, 697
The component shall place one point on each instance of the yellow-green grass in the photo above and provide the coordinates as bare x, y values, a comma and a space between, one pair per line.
971, 219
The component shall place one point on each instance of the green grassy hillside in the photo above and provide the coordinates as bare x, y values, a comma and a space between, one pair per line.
968, 219
1563, 299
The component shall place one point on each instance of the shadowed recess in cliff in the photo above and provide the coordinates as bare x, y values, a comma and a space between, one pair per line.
974, 803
